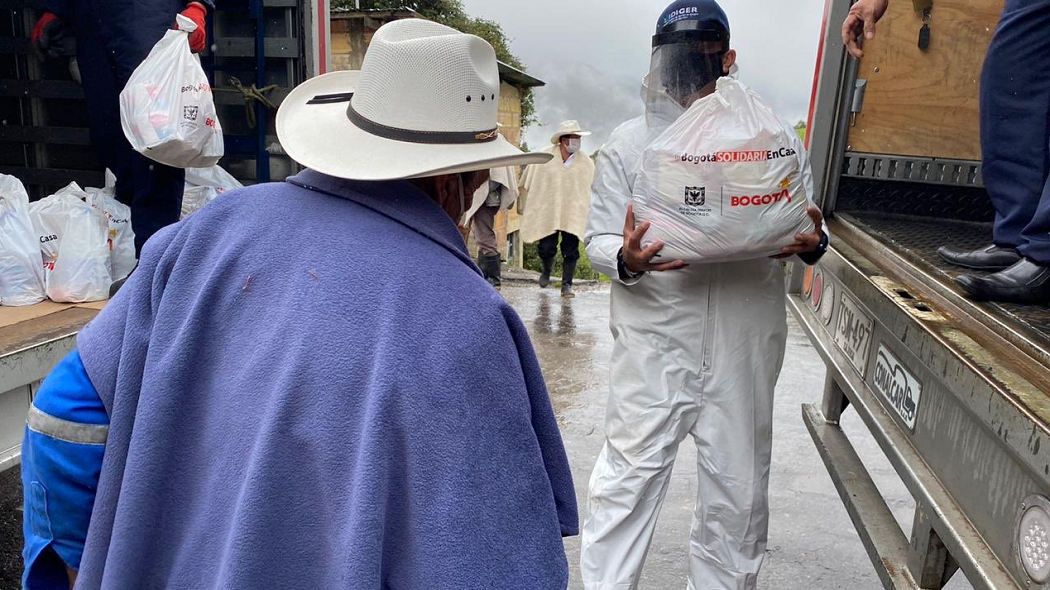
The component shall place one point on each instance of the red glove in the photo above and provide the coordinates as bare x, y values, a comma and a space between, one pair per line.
50, 25
195, 11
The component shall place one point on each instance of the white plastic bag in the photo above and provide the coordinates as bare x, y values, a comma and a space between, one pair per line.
213, 176
21, 272
724, 182
166, 108
74, 242
195, 197
203, 185
121, 236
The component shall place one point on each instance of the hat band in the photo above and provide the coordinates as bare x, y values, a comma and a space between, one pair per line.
399, 134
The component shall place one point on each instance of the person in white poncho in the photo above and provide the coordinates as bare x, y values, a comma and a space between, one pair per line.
554, 200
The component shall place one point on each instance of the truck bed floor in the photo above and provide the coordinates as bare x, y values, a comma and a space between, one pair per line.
917, 238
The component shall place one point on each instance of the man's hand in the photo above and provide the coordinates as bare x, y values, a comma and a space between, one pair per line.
805, 243
51, 37
195, 11
638, 259
861, 21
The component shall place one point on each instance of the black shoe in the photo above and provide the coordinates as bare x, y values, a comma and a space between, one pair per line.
490, 268
1024, 282
568, 273
993, 258
545, 276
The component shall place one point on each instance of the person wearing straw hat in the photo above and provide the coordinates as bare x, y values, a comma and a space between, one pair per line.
554, 200
286, 394
498, 194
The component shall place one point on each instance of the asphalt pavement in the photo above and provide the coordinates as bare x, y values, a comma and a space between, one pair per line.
812, 543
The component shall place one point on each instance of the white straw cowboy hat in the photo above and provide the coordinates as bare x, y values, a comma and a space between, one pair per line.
568, 128
425, 103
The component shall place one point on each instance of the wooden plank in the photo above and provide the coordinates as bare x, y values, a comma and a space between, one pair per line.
55, 325
10, 316
55, 177
286, 47
41, 89
15, 46
231, 96
51, 135
925, 103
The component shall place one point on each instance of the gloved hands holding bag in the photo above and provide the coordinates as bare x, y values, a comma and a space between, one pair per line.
52, 36
167, 110
195, 11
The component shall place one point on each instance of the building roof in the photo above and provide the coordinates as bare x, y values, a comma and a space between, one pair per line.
507, 73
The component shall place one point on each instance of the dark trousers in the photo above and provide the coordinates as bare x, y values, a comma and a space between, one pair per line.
570, 247
152, 190
1015, 128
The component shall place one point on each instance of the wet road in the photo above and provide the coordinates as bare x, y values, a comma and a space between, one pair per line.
812, 544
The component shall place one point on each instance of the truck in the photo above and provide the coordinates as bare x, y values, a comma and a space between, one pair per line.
954, 391
260, 50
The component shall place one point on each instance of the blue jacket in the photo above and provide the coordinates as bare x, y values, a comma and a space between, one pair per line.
309, 385
128, 29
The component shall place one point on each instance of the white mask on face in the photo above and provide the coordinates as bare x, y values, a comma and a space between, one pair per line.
574, 145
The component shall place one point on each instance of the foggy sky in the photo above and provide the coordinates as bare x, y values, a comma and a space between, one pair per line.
593, 54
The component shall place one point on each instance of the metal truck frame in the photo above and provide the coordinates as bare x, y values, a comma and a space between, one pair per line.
954, 392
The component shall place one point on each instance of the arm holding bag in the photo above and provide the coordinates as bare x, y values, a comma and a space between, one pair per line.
725, 182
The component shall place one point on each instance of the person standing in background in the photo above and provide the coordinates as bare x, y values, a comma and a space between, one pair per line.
554, 201
112, 38
498, 194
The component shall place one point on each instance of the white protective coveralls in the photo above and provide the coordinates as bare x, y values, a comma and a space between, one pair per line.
696, 352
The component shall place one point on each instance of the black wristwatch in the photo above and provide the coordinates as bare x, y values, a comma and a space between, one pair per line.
813, 257
622, 270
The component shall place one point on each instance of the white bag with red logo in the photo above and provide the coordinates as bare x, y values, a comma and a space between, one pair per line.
166, 108
21, 274
724, 182
121, 235
74, 242
203, 185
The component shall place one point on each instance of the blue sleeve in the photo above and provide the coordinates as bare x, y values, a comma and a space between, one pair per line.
62, 8
62, 452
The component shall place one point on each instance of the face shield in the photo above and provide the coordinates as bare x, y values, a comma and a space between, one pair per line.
684, 67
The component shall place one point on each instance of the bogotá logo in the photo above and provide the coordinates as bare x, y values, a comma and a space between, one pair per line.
695, 196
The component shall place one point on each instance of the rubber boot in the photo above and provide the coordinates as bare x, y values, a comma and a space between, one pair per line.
545, 276
569, 271
490, 268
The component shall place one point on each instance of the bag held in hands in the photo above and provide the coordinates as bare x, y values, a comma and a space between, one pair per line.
724, 182
167, 110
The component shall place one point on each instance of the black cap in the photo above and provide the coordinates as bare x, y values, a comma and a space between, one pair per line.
703, 19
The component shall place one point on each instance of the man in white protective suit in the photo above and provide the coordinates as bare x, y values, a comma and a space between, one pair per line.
697, 351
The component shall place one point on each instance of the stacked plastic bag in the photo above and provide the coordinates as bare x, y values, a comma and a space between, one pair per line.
21, 272
121, 237
724, 182
203, 185
71, 246
74, 242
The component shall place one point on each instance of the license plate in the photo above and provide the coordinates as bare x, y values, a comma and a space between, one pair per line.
853, 333
897, 385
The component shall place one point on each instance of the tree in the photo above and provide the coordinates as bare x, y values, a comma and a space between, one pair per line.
800, 128
452, 14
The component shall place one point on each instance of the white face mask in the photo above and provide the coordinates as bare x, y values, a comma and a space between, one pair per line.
574, 145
